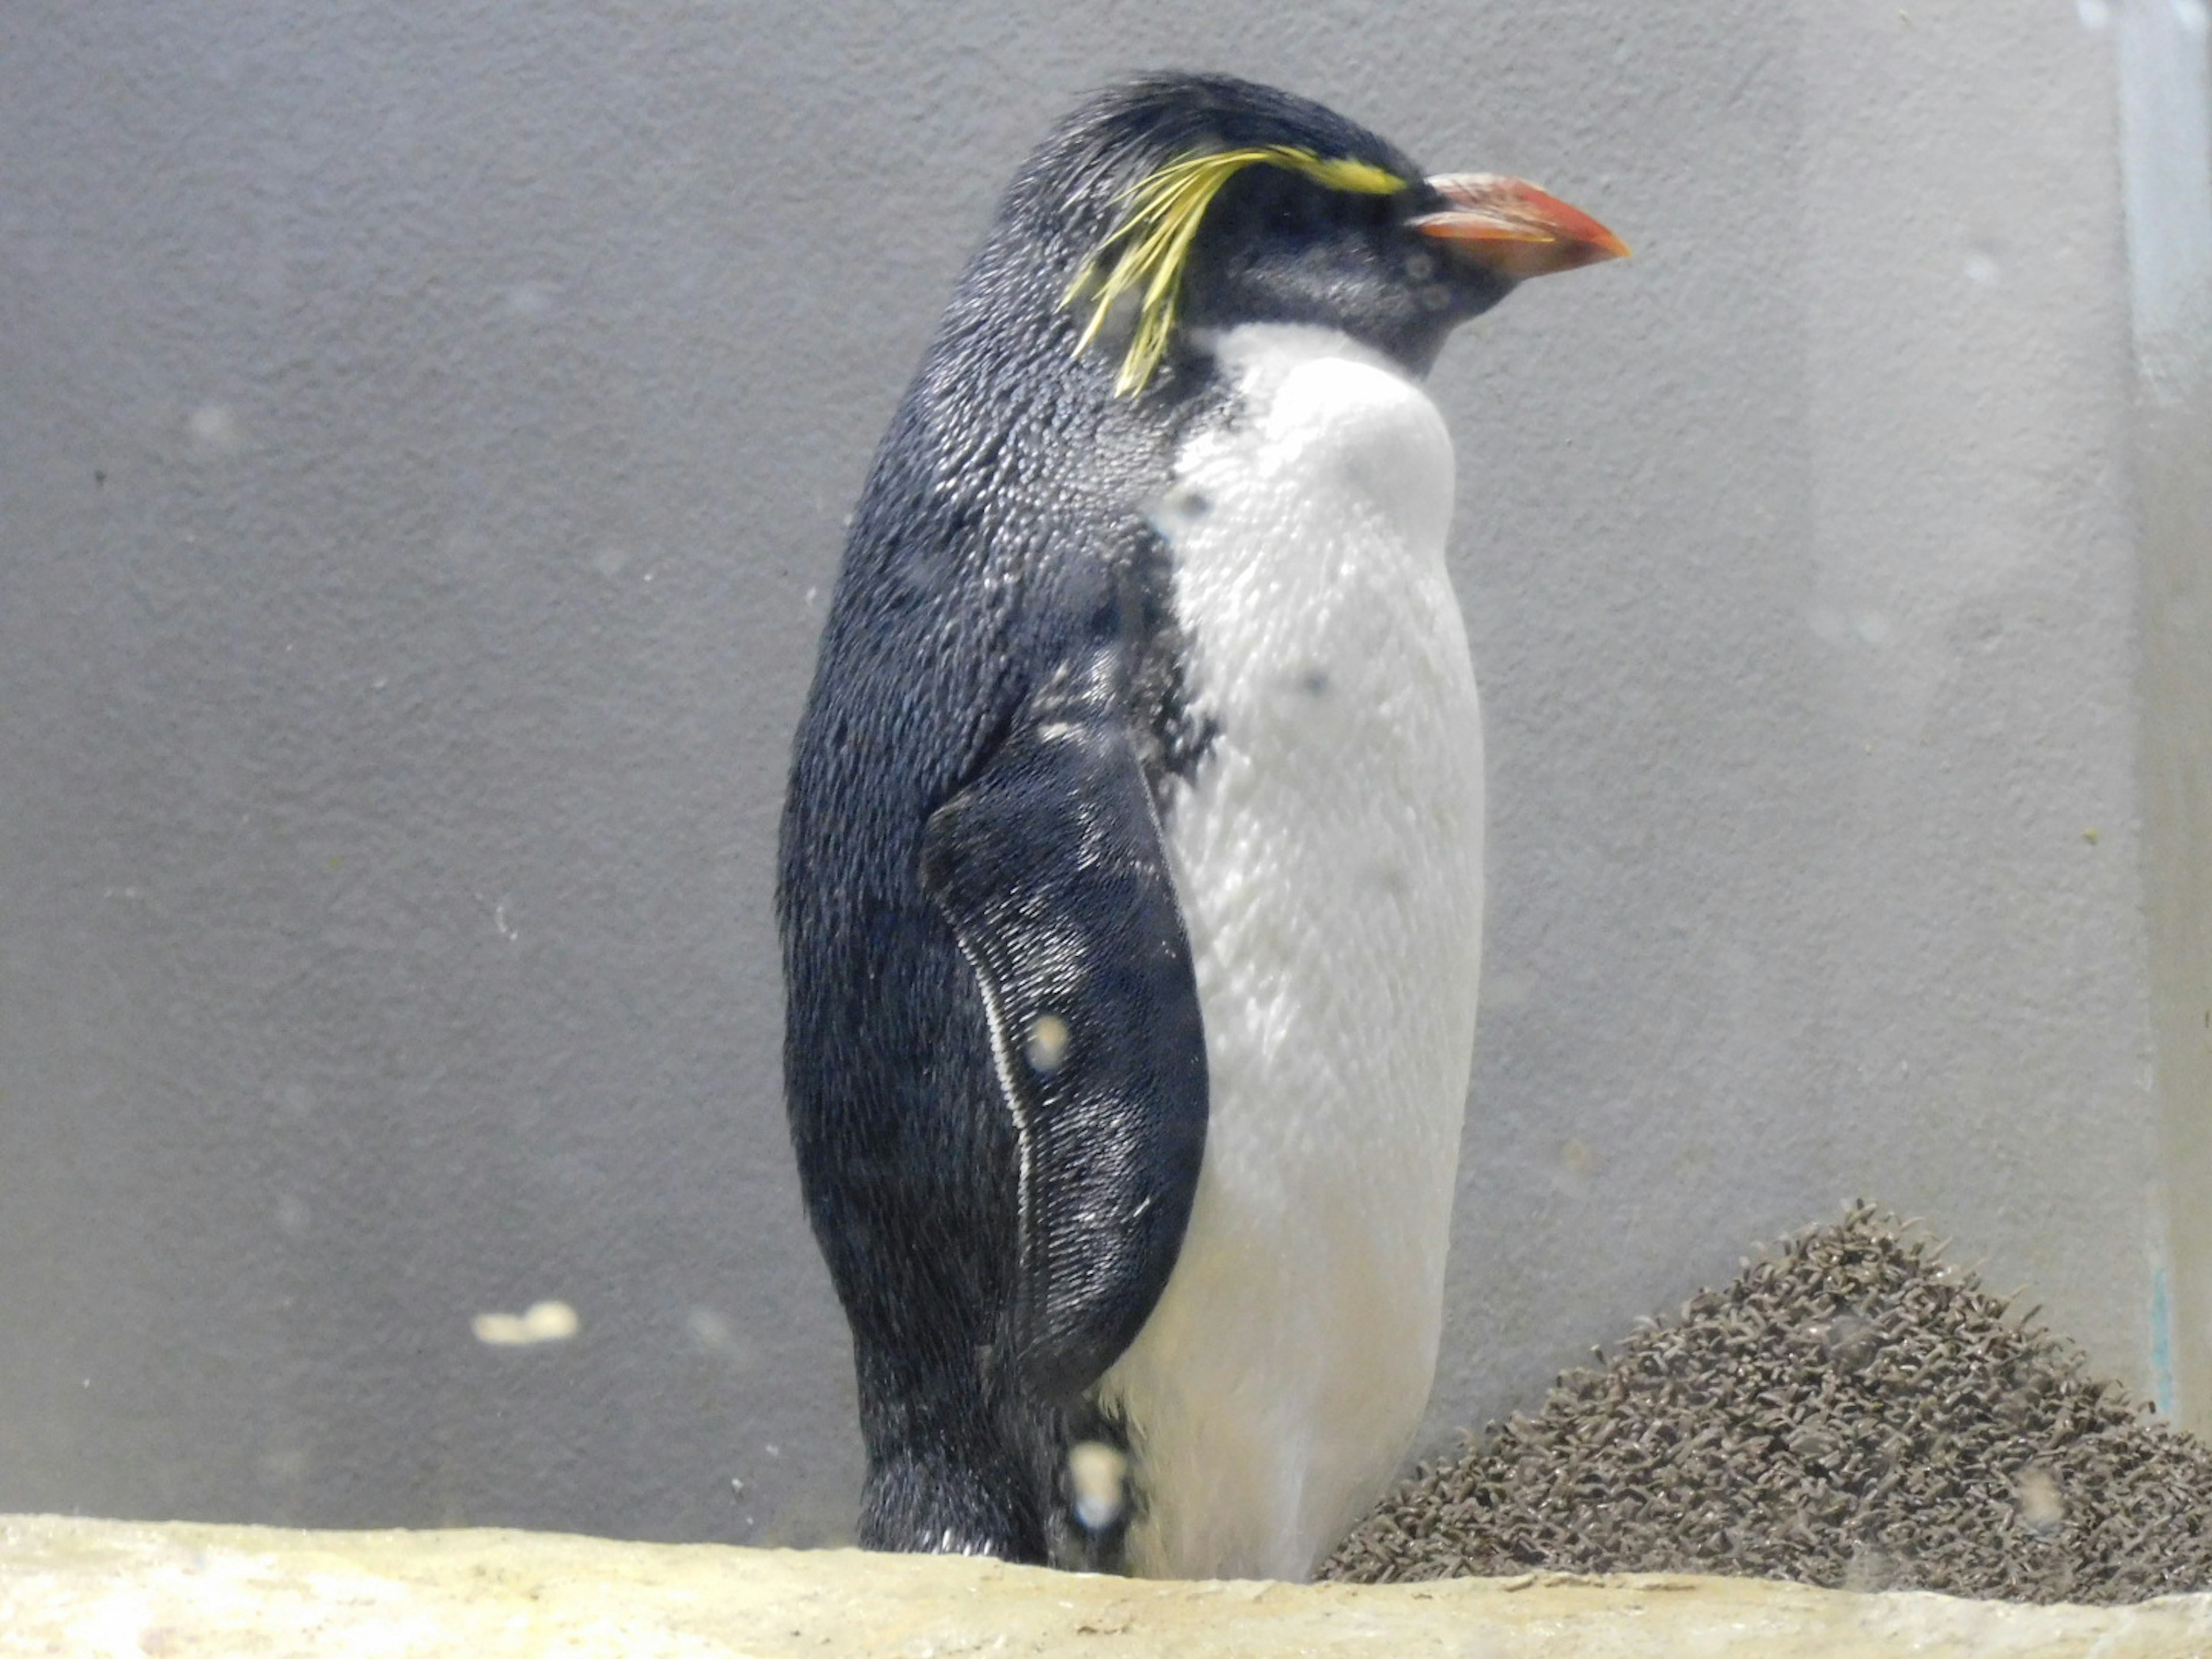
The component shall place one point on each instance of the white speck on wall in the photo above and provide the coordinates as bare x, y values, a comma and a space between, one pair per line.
713, 1334
2192, 16
292, 1217
546, 1322
213, 428
530, 299
708, 1329
1982, 271
283, 1465
610, 561
1873, 627
2093, 14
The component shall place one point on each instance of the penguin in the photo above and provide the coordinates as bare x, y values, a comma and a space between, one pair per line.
1130, 883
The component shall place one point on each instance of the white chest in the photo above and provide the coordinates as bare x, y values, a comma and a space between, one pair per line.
1328, 860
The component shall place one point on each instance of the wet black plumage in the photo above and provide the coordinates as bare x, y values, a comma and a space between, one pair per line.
999, 683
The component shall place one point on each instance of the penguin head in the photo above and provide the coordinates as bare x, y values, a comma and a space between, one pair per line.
1187, 204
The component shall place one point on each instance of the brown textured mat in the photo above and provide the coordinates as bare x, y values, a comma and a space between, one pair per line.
1850, 1412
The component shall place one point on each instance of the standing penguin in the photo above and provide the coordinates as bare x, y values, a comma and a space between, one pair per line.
1131, 883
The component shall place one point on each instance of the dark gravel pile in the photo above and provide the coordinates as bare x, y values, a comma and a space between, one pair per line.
1850, 1412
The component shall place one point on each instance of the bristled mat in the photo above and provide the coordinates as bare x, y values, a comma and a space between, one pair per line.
1850, 1411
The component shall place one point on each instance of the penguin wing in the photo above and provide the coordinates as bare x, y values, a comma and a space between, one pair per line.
1051, 868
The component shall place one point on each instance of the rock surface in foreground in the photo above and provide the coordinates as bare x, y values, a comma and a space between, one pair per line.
74, 1587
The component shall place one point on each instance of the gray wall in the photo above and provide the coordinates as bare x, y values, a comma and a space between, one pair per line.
426, 436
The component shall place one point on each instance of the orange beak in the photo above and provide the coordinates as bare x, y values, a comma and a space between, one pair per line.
1515, 228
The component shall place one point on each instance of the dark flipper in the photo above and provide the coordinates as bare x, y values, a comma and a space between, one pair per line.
1050, 868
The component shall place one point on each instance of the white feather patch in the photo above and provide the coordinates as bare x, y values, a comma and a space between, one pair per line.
1328, 860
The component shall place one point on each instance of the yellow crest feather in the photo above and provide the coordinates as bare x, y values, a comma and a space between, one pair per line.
1147, 251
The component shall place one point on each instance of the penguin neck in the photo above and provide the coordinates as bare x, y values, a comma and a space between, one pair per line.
1250, 360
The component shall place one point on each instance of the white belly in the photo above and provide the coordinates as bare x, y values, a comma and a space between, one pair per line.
1328, 860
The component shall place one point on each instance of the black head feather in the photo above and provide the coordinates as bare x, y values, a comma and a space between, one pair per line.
1277, 245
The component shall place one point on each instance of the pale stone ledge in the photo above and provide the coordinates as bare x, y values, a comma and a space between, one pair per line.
108, 1588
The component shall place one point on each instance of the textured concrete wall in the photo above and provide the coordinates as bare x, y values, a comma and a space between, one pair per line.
425, 440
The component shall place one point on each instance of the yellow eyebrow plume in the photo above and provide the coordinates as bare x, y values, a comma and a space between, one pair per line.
1148, 251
